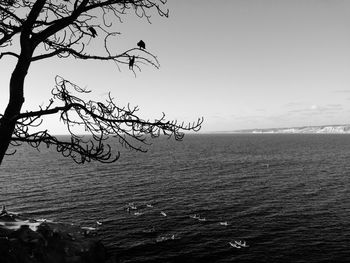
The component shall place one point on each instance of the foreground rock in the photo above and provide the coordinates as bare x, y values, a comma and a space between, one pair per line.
31, 241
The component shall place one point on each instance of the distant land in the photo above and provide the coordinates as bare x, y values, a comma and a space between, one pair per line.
331, 129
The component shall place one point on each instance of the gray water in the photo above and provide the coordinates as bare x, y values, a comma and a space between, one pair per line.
287, 196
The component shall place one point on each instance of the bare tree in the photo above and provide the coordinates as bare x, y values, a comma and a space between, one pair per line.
42, 29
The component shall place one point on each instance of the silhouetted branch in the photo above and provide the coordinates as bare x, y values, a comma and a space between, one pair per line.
122, 58
62, 27
9, 54
101, 121
65, 28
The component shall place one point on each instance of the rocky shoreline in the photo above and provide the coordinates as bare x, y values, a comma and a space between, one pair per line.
24, 240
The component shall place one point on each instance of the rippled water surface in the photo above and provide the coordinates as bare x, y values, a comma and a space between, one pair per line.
287, 196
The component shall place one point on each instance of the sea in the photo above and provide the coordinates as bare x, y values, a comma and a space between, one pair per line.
209, 198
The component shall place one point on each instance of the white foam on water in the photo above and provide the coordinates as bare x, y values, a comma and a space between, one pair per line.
18, 223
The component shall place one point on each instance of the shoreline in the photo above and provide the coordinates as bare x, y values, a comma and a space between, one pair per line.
43, 241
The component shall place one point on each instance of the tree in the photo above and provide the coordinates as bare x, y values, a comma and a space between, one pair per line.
42, 29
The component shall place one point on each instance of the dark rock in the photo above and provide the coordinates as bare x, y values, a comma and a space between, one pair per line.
7, 218
50, 243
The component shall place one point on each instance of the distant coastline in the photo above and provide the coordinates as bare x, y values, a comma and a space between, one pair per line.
324, 129
321, 129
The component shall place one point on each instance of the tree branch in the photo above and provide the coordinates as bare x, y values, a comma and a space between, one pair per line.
60, 23
9, 54
100, 120
51, 28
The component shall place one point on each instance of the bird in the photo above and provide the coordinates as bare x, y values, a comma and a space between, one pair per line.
224, 223
163, 213
195, 216
98, 223
131, 64
242, 244
93, 31
266, 165
234, 245
149, 205
141, 44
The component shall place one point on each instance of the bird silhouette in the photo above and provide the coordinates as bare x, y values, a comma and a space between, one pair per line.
235, 245
131, 62
93, 31
141, 44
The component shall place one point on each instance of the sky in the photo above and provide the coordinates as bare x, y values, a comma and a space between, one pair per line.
240, 64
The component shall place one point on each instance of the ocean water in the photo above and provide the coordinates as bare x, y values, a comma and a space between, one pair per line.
286, 196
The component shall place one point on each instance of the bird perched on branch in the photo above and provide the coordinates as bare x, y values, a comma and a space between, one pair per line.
131, 62
93, 31
141, 44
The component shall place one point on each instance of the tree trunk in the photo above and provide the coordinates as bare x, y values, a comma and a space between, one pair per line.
8, 121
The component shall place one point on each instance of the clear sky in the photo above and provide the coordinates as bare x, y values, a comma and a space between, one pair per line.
238, 63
